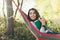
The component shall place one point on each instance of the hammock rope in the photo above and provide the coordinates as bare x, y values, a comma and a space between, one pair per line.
34, 30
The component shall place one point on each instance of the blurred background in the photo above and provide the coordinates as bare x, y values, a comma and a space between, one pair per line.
12, 25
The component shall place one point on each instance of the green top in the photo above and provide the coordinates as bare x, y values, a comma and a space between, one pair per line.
39, 24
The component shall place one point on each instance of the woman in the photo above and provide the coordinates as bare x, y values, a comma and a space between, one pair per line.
39, 22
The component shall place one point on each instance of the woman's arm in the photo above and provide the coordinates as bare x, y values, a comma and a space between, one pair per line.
43, 21
42, 29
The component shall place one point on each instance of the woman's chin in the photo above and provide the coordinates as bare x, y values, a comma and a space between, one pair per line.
33, 19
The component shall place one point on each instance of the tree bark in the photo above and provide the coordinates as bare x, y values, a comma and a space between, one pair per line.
10, 20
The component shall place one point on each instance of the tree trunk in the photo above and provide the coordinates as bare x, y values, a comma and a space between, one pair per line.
10, 20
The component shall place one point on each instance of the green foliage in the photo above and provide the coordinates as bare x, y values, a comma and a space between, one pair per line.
2, 23
51, 11
54, 26
21, 32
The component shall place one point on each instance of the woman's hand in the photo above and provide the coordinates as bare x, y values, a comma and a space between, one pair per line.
43, 20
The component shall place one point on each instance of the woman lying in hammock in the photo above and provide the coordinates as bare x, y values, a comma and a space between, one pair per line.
34, 16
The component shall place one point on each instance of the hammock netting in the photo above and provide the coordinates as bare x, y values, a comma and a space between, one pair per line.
37, 34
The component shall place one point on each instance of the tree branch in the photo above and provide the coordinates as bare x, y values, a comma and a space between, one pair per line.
17, 8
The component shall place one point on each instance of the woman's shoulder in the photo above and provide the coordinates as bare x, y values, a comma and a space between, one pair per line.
37, 21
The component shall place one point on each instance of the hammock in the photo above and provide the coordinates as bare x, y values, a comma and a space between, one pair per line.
37, 34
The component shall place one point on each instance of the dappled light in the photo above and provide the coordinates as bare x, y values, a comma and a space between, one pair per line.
12, 24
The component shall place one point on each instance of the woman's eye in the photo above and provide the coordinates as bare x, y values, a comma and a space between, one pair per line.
30, 13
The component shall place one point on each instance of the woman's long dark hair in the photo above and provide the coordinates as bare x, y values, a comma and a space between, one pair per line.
37, 14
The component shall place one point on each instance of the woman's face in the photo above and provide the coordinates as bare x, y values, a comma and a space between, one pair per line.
32, 14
